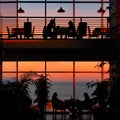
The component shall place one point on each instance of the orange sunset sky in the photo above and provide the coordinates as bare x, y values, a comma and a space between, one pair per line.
58, 71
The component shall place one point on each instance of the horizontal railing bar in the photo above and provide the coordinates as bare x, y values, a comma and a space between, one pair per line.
51, 17
54, 1
55, 71
39, 23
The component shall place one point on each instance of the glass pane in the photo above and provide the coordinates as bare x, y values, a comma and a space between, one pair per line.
31, 66
32, 9
87, 76
64, 90
52, 9
62, 83
8, 9
90, 76
60, 77
90, 9
9, 66
59, 66
8, 77
90, 66
80, 88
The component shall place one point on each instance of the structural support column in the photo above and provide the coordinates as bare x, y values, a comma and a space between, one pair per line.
102, 15
74, 81
74, 12
102, 71
1, 46
17, 71
17, 14
0, 71
45, 12
1, 54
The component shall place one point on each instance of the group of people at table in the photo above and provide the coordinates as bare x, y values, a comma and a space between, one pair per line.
51, 30
75, 106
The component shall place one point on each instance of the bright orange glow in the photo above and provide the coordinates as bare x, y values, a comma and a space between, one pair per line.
58, 71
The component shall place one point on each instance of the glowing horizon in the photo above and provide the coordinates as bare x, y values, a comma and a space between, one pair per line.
58, 71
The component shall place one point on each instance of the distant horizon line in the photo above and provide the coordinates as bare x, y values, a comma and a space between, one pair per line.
6, 80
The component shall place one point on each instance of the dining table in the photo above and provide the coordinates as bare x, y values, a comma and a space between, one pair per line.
62, 31
18, 32
74, 106
101, 31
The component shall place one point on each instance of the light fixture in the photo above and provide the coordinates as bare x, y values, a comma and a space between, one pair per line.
101, 10
61, 10
108, 7
20, 10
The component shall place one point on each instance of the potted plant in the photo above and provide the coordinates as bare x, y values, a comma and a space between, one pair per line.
43, 85
15, 99
101, 98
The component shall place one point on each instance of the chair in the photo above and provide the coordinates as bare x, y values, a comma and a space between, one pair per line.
92, 34
10, 35
31, 34
28, 31
72, 34
0, 36
81, 30
48, 33
58, 106
33, 30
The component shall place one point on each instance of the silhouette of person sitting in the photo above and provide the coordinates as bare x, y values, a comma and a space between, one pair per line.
86, 103
71, 29
49, 30
57, 103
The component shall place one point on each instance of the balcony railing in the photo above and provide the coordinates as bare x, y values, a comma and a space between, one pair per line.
39, 22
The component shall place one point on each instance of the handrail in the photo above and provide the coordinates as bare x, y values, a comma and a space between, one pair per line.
39, 23
53, 1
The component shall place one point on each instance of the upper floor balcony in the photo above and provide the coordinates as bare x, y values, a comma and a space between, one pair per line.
42, 28
39, 13
29, 34
25, 34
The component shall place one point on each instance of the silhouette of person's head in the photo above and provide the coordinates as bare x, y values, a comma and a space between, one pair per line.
70, 23
52, 21
54, 95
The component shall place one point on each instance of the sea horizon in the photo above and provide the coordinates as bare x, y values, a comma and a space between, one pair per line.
65, 90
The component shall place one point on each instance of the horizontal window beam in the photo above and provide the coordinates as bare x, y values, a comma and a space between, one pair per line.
53, 1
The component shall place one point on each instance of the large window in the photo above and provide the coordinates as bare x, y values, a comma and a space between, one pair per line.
39, 12
62, 75
82, 8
